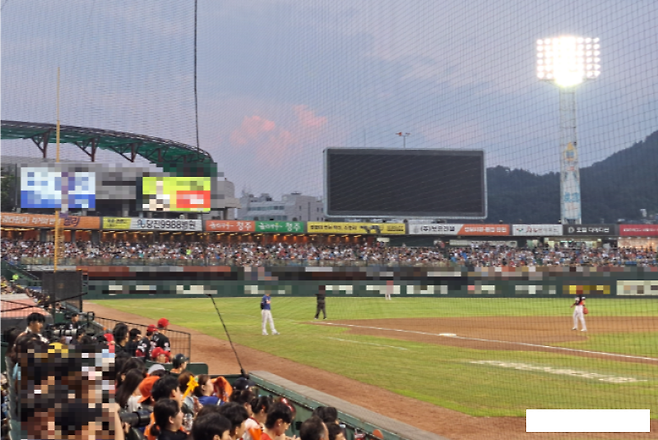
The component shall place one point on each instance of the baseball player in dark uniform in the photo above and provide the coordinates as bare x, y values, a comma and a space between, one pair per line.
578, 314
144, 344
320, 297
159, 339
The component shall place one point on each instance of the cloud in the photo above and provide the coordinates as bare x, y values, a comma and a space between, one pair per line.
252, 128
307, 117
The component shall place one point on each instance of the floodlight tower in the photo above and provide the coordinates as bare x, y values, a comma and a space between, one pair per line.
568, 61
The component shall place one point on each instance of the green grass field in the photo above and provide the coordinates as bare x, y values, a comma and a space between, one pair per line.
506, 385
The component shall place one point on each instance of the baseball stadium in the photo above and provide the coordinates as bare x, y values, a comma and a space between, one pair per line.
430, 240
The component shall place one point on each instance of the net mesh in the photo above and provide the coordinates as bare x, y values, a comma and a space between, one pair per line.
279, 82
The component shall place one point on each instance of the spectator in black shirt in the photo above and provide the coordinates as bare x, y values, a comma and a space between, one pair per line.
121, 337
74, 323
179, 363
131, 346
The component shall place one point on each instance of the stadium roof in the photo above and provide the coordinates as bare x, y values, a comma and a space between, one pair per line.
158, 151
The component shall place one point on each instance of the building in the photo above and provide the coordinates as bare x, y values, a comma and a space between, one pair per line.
116, 189
293, 207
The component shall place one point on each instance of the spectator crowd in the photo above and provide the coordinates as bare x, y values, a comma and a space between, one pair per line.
161, 400
256, 254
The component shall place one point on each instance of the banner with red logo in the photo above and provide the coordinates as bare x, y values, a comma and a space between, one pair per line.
68, 221
484, 230
638, 230
459, 229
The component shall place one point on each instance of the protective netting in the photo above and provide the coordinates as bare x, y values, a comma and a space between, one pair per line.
279, 82
124, 66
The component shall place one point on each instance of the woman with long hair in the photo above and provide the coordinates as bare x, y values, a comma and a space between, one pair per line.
128, 394
168, 420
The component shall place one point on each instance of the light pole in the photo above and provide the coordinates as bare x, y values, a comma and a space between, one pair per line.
404, 138
568, 61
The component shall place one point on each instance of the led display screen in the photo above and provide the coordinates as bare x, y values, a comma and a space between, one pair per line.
394, 183
44, 187
175, 194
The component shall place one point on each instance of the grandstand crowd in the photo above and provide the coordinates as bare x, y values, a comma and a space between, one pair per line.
257, 254
149, 401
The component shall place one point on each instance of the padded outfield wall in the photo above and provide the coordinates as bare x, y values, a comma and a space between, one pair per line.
137, 281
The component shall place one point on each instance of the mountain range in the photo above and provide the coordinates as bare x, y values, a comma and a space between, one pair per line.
616, 188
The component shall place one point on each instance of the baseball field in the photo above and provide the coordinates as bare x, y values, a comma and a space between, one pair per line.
484, 357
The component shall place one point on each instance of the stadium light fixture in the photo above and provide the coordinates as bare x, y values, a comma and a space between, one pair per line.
568, 61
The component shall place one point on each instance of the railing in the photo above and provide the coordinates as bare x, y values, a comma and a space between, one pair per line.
181, 342
17, 268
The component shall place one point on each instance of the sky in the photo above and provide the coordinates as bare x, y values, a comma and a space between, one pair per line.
280, 81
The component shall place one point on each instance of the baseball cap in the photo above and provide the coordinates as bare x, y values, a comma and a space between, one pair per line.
154, 368
179, 359
242, 383
163, 323
145, 387
157, 351
151, 328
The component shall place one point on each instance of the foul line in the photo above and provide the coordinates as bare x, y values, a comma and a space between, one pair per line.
526, 344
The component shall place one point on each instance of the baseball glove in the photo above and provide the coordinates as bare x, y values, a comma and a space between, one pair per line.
585, 311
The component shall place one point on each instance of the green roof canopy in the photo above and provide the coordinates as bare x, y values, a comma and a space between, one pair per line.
175, 157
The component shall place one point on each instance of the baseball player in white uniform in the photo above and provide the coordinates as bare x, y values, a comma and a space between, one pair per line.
578, 314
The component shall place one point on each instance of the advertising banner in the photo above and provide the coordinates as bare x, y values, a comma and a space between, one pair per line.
280, 227
499, 230
459, 229
638, 230
151, 224
435, 229
637, 288
356, 228
230, 226
116, 223
536, 230
589, 230
48, 221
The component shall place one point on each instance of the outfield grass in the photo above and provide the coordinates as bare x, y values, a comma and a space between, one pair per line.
441, 375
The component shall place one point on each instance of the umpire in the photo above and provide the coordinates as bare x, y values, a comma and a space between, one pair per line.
320, 297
